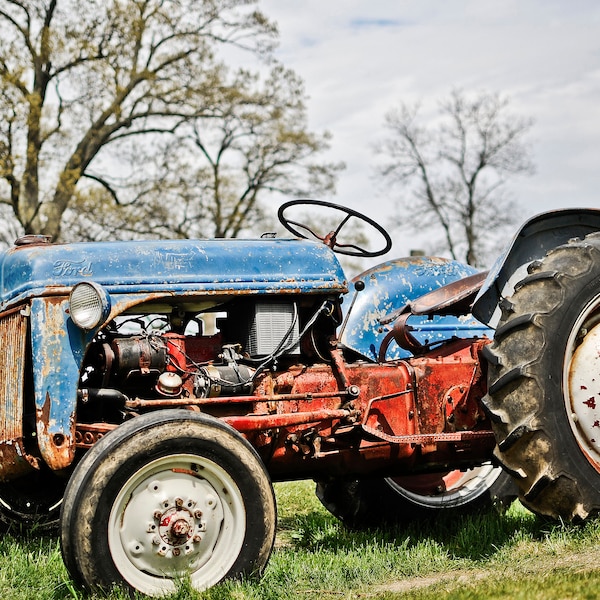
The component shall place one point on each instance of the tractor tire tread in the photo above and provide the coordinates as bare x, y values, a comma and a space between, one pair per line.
526, 443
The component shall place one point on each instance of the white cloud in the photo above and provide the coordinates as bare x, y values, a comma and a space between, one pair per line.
360, 58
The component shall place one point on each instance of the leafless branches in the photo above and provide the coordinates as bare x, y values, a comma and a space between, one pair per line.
450, 175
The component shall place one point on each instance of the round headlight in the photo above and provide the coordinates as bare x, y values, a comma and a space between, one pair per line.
89, 305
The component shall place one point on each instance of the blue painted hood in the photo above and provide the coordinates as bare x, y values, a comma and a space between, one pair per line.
260, 266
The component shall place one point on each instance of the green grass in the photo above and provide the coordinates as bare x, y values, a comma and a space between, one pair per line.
515, 555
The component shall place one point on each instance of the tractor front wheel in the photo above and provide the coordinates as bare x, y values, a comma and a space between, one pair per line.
167, 496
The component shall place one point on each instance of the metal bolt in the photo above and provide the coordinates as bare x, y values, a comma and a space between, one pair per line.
198, 514
178, 502
196, 539
180, 528
157, 515
176, 551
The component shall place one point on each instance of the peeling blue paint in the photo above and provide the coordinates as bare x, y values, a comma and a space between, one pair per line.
263, 266
389, 287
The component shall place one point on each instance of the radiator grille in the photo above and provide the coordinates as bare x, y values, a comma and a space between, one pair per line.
269, 325
13, 338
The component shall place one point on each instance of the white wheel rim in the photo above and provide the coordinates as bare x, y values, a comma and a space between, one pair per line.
582, 377
177, 516
468, 487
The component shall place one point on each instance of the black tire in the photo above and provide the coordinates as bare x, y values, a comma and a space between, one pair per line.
541, 391
168, 493
363, 504
32, 502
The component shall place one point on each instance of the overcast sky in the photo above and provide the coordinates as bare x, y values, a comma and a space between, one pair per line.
360, 58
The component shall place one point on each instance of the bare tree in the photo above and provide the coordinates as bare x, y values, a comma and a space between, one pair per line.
451, 173
78, 78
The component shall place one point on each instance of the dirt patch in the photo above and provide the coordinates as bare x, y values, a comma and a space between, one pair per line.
536, 565
454, 578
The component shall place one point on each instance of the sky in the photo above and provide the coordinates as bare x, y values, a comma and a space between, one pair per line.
359, 59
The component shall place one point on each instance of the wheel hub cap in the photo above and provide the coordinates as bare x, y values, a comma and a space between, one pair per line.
584, 393
165, 534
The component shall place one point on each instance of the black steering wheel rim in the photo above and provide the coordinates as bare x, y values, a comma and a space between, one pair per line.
346, 249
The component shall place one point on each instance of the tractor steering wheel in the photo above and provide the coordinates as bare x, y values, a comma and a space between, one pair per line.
331, 239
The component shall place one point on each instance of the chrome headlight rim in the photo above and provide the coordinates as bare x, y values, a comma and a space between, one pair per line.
89, 305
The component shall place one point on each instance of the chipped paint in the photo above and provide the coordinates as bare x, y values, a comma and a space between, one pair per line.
57, 348
178, 266
391, 286
584, 394
309, 411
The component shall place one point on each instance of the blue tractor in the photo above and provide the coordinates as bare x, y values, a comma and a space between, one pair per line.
153, 391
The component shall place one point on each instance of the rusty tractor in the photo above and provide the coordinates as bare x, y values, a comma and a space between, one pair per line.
153, 391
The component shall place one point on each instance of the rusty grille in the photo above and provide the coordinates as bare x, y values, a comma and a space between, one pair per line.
13, 338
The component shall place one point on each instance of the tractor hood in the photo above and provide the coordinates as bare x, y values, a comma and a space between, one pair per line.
35, 267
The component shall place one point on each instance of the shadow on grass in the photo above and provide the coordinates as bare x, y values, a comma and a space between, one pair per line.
473, 537
320, 555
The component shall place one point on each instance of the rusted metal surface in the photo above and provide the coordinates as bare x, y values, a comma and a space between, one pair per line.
426, 439
424, 410
257, 423
449, 385
13, 337
303, 411
388, 289
57, 348
392, 415
14, 460
454, 298
137, 403
401, 333
87, 434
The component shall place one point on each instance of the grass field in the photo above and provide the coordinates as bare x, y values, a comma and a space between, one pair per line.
515, 555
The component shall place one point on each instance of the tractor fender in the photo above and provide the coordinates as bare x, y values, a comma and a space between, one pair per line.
389, 287
533, 241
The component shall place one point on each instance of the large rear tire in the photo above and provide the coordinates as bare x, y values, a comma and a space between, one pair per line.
168, 495
362, 504
543, 383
